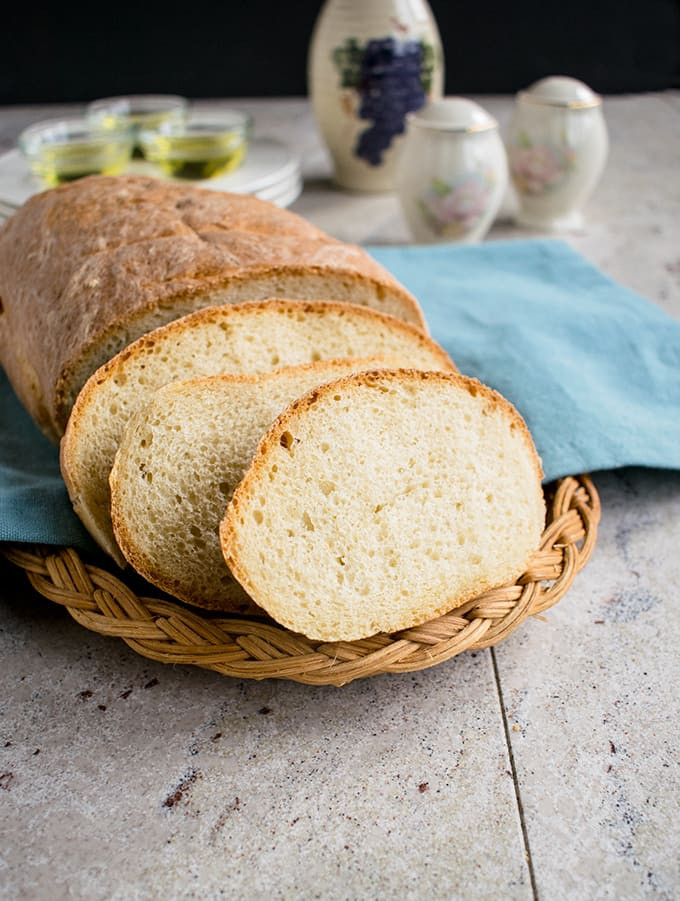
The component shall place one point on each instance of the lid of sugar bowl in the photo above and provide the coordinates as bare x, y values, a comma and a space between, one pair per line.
561, 90
453, 114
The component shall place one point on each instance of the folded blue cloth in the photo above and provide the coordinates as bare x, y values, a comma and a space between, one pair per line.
34, 504
593, 368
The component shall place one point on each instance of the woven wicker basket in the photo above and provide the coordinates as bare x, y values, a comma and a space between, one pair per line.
255, 648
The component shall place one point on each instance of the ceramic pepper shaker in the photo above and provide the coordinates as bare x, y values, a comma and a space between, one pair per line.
370, 64
557, 147
452, 172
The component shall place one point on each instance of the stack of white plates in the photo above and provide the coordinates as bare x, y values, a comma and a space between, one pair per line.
270, 171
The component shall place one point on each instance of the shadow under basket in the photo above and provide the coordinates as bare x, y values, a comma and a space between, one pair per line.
258, 648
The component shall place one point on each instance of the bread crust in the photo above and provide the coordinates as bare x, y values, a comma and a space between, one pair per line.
251, 482
78, 429
83, 265
370, 378
224, 312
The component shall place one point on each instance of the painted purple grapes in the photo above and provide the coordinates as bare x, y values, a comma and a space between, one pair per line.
390, 86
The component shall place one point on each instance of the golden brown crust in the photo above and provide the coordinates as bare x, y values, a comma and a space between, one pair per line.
371, 378
84, 262
117, 364
78, 434
227, 311
182, 302
249, 484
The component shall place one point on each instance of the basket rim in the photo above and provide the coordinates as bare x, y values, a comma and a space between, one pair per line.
252, 647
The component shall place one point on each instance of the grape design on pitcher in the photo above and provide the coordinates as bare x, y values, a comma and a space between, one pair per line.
392, 77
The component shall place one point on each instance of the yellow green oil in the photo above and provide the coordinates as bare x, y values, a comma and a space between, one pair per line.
152, 121
196, 156
136, 122
60, 163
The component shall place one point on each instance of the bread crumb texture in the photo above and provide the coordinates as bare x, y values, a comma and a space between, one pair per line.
384, 500
179, 461
246, 338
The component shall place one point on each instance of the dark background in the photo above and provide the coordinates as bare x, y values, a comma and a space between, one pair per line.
247, 48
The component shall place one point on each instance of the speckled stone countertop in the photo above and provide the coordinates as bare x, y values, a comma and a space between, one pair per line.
548, 767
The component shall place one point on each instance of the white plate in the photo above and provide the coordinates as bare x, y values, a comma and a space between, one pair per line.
287, 187
269, 171
290, 195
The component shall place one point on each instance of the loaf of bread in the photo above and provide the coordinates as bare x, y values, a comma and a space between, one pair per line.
381, 495
383, 500
88, 267
252, 337
179, 460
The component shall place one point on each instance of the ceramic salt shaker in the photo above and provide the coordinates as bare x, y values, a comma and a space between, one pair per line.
557, 148
452, 171
371, 63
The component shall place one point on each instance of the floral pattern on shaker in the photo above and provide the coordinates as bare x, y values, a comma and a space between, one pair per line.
453, 210
539, 168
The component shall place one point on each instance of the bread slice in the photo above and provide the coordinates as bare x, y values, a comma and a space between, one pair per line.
88, 267
179, 460
383, 500
244, 338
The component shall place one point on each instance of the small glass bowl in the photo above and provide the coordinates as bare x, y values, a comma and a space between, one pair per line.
205, 144
61, 150
139, 111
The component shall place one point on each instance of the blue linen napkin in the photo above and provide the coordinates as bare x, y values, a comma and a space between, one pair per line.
593, 368
34, 504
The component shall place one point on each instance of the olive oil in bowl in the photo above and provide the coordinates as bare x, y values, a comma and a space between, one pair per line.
190, 156
138, 112
205, 145
60, 151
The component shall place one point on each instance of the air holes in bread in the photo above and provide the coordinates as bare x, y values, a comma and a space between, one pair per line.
286, 440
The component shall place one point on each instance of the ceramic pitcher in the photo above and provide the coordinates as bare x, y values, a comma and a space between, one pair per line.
371, 63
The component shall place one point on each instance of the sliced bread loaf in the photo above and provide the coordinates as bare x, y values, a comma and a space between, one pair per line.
179, 460
383, 500
244, 338
88, 267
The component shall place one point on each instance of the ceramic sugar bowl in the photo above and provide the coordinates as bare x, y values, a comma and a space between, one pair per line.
557, 147
452, 172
